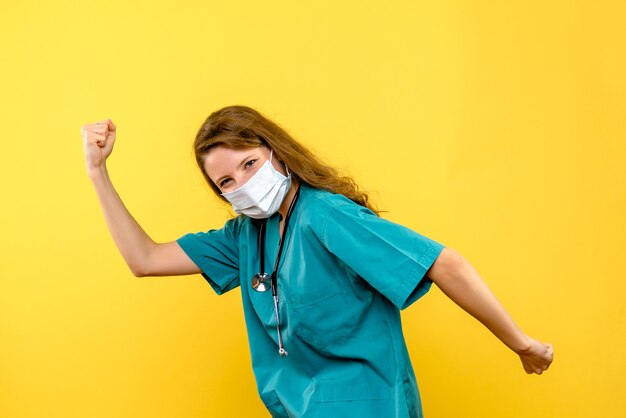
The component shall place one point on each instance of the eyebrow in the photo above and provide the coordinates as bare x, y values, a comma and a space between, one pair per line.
243, 161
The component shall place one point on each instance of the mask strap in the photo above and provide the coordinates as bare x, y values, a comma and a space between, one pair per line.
271, 154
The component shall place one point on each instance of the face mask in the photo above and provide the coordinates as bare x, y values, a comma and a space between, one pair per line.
261, 196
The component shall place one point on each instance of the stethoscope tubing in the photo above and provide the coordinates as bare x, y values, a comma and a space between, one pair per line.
258, 284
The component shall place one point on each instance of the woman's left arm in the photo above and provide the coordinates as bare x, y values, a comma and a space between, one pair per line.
458, 280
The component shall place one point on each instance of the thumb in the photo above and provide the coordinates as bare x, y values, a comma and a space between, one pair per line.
111, 125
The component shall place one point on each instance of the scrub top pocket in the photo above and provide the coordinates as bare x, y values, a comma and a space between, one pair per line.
322, 317
352, 399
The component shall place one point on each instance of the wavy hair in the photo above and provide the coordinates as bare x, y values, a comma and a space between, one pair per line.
241, 127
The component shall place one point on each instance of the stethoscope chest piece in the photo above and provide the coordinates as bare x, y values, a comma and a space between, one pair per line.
261, 282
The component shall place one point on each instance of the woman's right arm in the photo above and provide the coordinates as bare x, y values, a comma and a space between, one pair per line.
143, 256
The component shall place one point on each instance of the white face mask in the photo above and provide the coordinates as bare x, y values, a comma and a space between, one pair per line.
261, 196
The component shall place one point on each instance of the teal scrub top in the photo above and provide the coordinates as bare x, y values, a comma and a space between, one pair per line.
344, 276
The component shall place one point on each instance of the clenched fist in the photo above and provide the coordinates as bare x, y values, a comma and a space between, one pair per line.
538, 357
98, 140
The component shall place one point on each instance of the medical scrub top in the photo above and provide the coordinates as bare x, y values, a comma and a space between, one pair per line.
343, 278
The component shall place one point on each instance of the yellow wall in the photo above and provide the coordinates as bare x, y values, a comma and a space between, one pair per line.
496, 129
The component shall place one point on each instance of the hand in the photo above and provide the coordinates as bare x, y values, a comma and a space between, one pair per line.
98, 140
537, 357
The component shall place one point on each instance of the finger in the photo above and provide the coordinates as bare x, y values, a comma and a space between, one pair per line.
103, 122
87, 130
97, 139
526, 368
100, 128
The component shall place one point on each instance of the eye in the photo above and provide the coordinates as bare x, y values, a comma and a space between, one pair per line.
250, 163
223, 182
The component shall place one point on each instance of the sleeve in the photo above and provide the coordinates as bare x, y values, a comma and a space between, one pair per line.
392, 258
215, 252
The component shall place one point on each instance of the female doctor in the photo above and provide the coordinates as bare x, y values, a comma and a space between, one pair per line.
323, 278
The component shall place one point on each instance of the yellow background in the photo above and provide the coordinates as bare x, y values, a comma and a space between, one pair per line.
497, 129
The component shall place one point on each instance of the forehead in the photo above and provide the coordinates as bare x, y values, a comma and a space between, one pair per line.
222, 161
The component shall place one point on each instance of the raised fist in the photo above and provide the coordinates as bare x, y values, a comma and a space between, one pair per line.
98, 140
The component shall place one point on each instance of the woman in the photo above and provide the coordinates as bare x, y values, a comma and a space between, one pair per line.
323, 278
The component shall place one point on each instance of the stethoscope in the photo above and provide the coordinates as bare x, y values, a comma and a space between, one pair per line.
259, 281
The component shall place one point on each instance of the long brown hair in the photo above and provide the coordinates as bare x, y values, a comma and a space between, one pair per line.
241, 127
